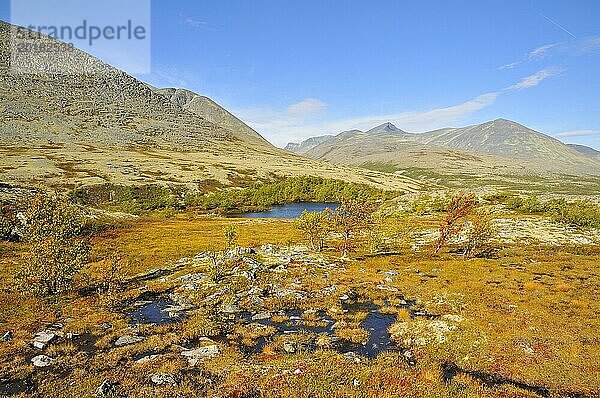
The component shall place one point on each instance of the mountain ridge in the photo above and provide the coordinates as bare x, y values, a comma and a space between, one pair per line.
499, 143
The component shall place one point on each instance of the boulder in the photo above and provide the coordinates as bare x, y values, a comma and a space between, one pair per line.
261, 316
162, 378
106, 389
42, 339
197, 354
41, 361
128, 339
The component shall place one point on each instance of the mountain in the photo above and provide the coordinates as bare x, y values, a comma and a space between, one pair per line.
78, 121
312, 142
209, 110
586, 151
388, 128
307, 145
499, 146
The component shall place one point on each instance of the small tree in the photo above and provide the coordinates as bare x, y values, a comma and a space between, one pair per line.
111, 276
460, 206
218, 265
314, 226
230, 232
349, 219
480, 235
57, 251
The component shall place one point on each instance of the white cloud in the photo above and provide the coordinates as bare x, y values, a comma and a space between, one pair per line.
510, 66
308, 106
540, 52
573, 48
194, 23
578, 133
535, 79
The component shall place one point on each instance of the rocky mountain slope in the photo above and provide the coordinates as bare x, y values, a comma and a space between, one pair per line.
209, 110
81, 121
499, 146
586, 151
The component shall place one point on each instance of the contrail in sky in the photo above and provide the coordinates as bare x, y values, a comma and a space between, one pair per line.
558, 26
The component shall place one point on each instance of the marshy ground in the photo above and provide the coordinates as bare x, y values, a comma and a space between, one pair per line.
285, 321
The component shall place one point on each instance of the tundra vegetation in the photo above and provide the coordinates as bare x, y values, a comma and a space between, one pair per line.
471, 295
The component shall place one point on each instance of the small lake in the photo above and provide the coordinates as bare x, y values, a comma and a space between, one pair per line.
290, 210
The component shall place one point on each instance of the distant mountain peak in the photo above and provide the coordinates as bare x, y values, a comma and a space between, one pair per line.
386, 128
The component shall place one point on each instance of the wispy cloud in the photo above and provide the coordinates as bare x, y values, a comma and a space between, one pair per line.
511, 65
194, 23
308, 106
540, 52
536, 78
573, 48
578, 133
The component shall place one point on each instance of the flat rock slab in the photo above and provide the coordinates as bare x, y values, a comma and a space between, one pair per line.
128, 339
261, 316
197, 354
42, 339
41, 361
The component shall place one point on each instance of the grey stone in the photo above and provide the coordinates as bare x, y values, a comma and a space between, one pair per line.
147, 358
197, 354
6, 337
127, 340
162, 378
42, 339
41, 361
261, 316
289, 347
230, 309
106, 389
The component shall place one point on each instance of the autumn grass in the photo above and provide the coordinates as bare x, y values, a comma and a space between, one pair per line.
529, 315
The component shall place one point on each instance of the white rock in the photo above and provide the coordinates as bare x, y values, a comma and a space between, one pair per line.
41, 361
127, 340
197, 354
42, 339
162, 378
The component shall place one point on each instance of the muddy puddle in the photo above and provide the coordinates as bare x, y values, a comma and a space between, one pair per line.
160, 311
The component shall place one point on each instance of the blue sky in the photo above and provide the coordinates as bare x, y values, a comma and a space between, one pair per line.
294, 70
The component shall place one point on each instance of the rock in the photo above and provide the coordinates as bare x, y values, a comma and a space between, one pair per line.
106, 389
297, 371
197, 354
147, 358
42, 339
289, 347
352, 357
261, 316
230, 309
127, 340
344, 297
41, 361
106, 325
453, 318
162, 378
388, 288
6, 337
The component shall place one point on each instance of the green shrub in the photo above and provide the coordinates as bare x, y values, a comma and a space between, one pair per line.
57, 251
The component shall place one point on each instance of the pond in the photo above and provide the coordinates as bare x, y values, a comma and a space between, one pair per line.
287, 211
